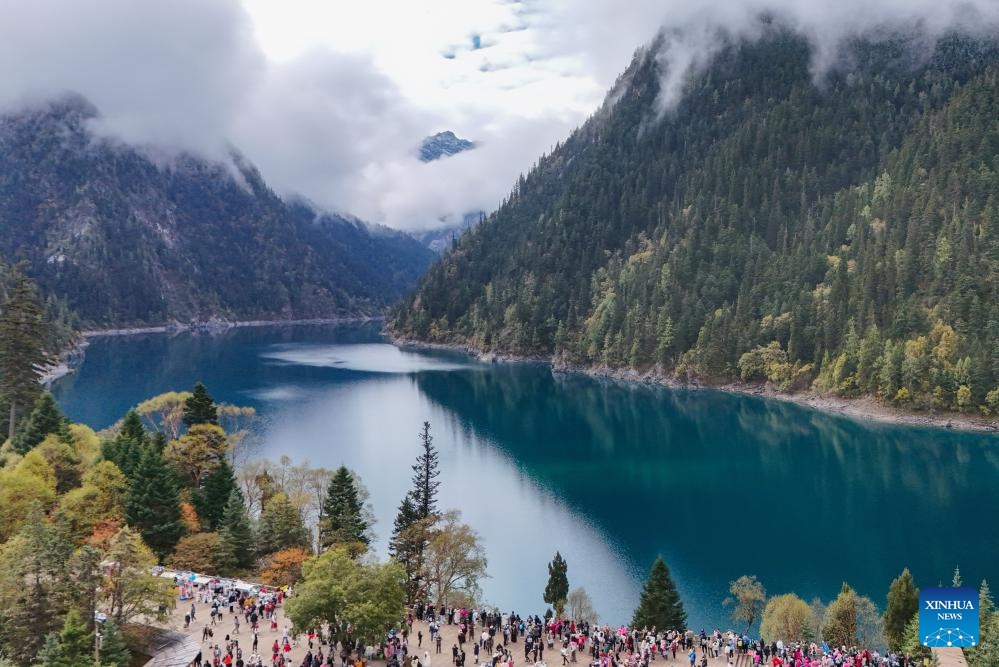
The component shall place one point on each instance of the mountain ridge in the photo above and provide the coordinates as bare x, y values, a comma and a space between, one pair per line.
127, 240
765, 229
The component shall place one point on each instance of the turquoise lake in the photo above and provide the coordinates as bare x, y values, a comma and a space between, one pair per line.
609, 474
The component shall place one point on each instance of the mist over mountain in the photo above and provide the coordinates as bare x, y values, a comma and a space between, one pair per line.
768, 219
130, 235
442, 145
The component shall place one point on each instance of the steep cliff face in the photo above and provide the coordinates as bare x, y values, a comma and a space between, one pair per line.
126, 237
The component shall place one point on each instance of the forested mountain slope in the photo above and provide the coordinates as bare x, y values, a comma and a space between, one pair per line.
840, 233
126, 239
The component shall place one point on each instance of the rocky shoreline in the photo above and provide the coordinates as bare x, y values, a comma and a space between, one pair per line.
862, 409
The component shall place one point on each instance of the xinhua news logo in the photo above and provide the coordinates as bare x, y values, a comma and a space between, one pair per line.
948, 617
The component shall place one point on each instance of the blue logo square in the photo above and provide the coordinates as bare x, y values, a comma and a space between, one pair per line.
948, 617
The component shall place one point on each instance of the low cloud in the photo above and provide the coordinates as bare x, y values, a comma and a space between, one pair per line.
340, 122
694, 32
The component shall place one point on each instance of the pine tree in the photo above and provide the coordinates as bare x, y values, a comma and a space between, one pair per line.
237, 534
557, 590
281, 526
75, 640
38, 601
45, 418
200, 407
126, 449
957, 582
408, 545
903, 602
158, 441
986, 653
660, 605
50, 654
425, 473
986, 605
23, 332
210, 500
342, 520
114, 651
152, 506
912, 645
132, 428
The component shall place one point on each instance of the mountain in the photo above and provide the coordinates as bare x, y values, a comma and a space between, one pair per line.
443, 144
839, 233
128, 239
441, 239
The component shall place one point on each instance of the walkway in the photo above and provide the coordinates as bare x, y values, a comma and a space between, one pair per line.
950, 657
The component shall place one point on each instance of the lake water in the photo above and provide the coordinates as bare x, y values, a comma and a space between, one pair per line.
609, 474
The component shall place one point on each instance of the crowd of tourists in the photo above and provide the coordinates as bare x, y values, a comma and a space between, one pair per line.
238, 616
604, 646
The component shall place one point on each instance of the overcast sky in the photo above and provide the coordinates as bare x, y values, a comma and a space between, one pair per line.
330, 98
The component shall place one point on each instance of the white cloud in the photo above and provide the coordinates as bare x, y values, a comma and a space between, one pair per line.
330, 98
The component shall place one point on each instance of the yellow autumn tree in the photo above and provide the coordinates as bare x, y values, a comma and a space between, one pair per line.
198, 452
284, 567
165, 412
786, 617
31, 481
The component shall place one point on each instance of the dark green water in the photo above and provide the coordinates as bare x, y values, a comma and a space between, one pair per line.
609, 474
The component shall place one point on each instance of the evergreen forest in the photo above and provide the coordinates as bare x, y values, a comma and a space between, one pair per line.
833, 230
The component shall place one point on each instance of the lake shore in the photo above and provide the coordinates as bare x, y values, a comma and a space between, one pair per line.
861, 409
73, 356
220, 325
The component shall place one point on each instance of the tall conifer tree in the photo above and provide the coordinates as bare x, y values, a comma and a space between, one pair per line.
557, 590
44, 419
660, 605
281, 526
408, 544
902, 604
22, 348
342, 520
210, 500
426, 470
114, 651
126, 449
152, 506
200, 407
237, 534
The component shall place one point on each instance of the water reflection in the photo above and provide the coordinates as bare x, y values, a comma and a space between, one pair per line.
370, 358
611, 474
737, 484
